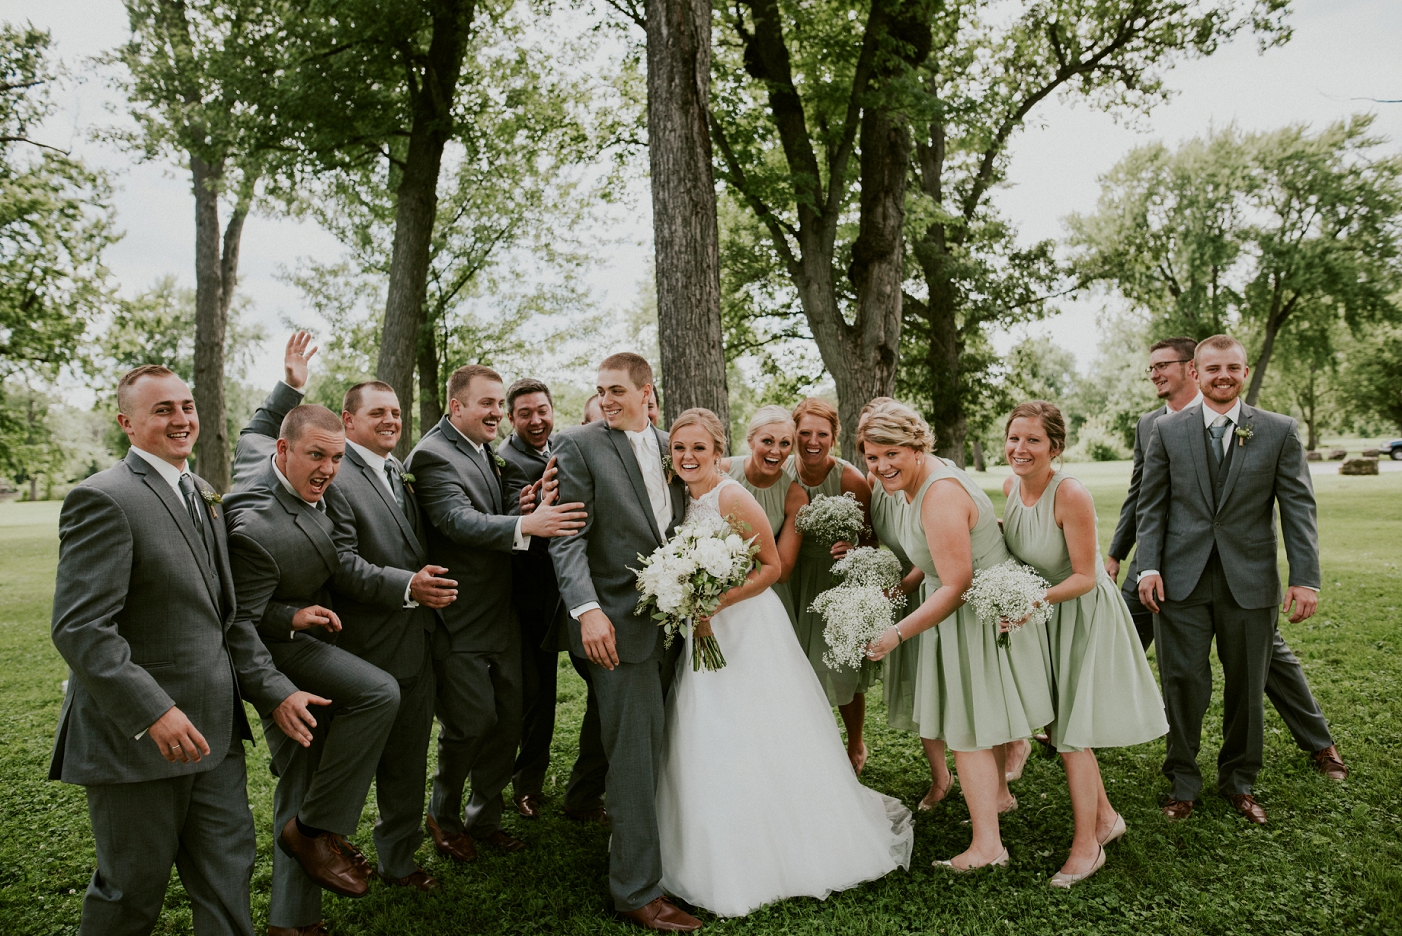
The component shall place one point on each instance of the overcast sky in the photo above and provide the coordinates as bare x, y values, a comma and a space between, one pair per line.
1344, 52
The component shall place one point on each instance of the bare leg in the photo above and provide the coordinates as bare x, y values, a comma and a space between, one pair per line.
979, 775
854, 715
1090, 807
1006, 801
940, 778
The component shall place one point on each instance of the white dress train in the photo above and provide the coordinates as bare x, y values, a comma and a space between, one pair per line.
756, 800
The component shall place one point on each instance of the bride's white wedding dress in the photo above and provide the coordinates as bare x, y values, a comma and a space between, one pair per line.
756, 800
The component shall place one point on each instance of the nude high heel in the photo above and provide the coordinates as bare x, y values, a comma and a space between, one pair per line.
1116, 831
1000, 862
1062, 881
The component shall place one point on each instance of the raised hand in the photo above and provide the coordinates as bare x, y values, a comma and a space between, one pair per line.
527, 497
549, 483
431, 591
316, 616
554, 520
295, 719
177, 739
296, 358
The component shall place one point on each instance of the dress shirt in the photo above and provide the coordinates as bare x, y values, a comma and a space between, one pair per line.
1176, 409
376, 464
519, 542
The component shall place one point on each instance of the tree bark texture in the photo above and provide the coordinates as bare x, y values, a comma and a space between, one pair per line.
212, 297
685, 234
430, 384
434, 85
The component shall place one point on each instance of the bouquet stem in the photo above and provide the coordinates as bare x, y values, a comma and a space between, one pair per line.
705, 651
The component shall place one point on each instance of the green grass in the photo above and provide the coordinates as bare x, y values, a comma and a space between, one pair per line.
1329, 860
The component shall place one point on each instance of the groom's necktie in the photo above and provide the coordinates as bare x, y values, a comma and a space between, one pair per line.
192, 503
1217, 430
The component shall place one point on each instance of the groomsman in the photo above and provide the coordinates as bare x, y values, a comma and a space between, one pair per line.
474, 530
1214, 474
593, 410
527, 452
1175, 379
282, 523
379, 546
153, 722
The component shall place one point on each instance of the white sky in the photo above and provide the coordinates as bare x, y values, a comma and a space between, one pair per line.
1342, 50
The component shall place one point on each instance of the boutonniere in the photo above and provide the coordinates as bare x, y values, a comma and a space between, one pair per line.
1243, 433
501, 462
667, 466
408, 478
211, 498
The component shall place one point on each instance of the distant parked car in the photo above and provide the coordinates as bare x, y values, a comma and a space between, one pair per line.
1391, 450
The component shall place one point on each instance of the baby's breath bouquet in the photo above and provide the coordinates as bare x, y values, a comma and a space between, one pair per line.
830, 519
684, 579
860, 609
1009, 591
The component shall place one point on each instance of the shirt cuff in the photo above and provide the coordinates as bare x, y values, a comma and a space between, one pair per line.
1145, 573
587, 606
409, 602
1310, 587
143, 734
520, 542
300, 393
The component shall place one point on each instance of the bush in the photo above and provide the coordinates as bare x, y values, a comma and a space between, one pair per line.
1097, 442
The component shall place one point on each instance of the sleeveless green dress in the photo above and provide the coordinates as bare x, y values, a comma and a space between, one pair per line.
899, 668
970, 692
772, 500
812, 574
1104, 691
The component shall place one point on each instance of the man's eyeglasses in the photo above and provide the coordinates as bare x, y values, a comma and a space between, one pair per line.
1161, 366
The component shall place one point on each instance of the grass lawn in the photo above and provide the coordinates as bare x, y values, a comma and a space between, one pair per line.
1328, 862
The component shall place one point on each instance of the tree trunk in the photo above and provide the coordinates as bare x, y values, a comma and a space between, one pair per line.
416, 202
979, 463
684, 207
1263, 360
430, 402
212, 460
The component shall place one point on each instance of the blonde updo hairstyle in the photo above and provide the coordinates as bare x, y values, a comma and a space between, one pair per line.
700, 416
771, 415
891, 423
1050, 417
872, 404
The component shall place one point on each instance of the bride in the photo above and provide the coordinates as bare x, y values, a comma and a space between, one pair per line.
756, 799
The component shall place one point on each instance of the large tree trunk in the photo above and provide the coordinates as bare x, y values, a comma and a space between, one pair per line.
416, 204
430, 401
684, 207
211, 322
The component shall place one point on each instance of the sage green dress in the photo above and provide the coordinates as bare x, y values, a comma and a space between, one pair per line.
899, 668
970, 692
812, 575
1103, 689
772, 500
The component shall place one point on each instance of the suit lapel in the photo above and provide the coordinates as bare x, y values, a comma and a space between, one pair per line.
635, 475
469, 450
176, 508
314, 524
1234, 465
1197, 439
386, 498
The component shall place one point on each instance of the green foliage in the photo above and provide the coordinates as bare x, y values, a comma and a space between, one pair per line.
1371, 381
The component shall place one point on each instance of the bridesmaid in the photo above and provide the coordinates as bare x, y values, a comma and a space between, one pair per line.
899, 669
770, 439
970, 693
1105, 695
819, 472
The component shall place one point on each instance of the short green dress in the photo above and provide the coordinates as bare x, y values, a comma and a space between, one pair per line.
772, 500
969, 692
1104, 691
899, 668
812, 574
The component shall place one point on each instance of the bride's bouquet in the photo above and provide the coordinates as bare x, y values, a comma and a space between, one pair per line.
684, 579
860, 609
830, 519
1009, 591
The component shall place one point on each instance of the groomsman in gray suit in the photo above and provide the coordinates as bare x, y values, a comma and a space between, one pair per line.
1175, 379
527, 453
153, 722
282, 535
1214, 474
380, 540
614, 467
474, 530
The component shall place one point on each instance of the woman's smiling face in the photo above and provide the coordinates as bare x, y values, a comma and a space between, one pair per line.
1027, 447
770, 447
694, 455
815, 439
895, 466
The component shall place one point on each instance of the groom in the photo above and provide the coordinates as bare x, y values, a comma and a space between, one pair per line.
614, 467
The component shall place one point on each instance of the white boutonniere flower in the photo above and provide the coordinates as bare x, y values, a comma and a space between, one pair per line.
211, 498
667, 466
1243, 433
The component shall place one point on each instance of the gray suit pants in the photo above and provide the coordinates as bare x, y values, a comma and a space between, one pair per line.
585, 790
400, 775
200, 823
479, 708
1184, 631
325, 785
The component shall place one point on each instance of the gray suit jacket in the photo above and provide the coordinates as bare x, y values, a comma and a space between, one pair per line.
536, 593
1125, 530
1181, 519
598, 468
471, 531
137, 620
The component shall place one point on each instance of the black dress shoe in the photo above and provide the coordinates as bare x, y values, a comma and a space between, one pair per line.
505, 841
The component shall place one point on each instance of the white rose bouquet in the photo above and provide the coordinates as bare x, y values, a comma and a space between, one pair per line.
1009, 591
830, 519
684, 579
860, 609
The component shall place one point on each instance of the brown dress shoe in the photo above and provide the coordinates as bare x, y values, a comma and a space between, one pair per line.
1248, 807
457, 846
1329, 763
418, 879
1178, 810
505, 841
328, 859
528, 806
316, 929
600, 815
662, 915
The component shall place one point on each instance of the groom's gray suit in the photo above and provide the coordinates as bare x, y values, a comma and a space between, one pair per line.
144, 616
1210, 532
597, 467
